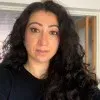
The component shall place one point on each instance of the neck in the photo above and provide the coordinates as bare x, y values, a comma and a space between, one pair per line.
39, 70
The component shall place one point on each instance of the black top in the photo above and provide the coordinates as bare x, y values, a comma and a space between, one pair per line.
19, 85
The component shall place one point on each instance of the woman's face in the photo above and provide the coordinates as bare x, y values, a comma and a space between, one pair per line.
42, 36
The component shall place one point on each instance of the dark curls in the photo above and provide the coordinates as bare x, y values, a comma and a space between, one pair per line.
67, 77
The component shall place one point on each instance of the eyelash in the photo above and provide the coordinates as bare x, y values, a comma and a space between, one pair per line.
34, 30
54, 32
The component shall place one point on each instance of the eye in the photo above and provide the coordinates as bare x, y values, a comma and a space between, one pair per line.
54, 32
34, 30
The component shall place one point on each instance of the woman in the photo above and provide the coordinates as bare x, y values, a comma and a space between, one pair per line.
43, 58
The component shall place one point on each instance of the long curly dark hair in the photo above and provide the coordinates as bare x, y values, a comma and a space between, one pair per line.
67, 77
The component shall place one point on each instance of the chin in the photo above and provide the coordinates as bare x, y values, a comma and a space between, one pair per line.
43, 60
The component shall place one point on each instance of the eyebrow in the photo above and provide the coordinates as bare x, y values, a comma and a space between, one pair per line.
54, 25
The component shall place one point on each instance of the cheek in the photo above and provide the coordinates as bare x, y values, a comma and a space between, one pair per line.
57, 41
55, 44
29, 41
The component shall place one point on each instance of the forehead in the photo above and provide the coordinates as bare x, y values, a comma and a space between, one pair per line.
43, 17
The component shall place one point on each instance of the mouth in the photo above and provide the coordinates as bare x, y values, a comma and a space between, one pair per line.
42, 51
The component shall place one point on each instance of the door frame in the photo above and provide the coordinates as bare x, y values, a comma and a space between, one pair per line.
90, 12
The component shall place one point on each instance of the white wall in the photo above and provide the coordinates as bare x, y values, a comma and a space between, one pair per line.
19, 1
89, 4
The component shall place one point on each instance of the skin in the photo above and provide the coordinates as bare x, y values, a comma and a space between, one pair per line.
41, 41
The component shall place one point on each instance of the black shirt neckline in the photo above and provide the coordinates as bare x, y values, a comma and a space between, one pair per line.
27, 73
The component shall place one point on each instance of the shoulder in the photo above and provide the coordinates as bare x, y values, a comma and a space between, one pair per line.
4, 71
5, 81
8, 73
5, 76
7, 69
96, 95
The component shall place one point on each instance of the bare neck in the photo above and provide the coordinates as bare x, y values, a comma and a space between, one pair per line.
37, 69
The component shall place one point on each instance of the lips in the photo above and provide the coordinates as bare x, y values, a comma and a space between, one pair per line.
42, 51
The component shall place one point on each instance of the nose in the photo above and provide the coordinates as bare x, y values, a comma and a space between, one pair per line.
43, 40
